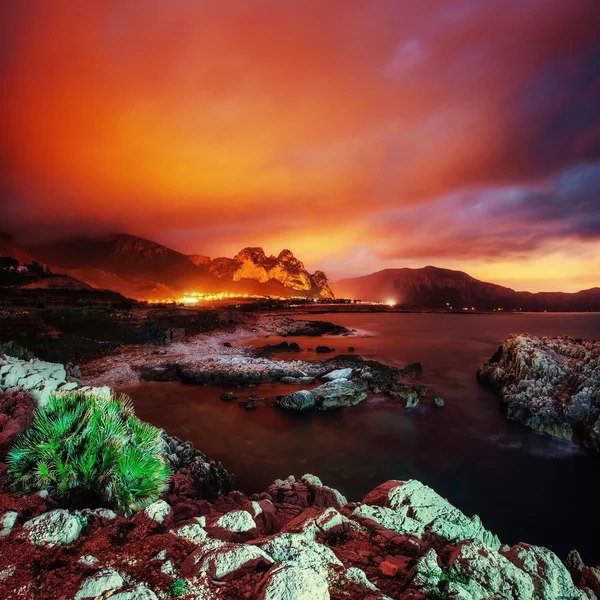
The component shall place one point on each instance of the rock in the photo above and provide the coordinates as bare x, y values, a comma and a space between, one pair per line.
338, 374
301, 400
483, 572
228, 396
351, 349
549, 576
156, 515
549, 384
323, 495
430, 510
340, 393
88, 560
99, 584
237, 521
312, 522
139, 592
193, 532
388, 569
298, 380
390, 519
233, 561
289, 581
297, 548
227, 344
412, 401
57, 527
251, 403
207, 479
324, 349
282, 347
225, 560
7, 522
438, 401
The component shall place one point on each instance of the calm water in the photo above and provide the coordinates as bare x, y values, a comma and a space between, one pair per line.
524, 485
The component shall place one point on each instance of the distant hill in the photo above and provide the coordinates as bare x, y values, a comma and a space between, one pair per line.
434, 287
143, 269
9, 246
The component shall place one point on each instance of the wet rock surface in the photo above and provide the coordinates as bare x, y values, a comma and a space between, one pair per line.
549, 384
304, 541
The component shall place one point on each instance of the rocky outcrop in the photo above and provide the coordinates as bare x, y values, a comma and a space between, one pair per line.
254, 264
549, 384
337, 393
195, 475
403, 541
39, 379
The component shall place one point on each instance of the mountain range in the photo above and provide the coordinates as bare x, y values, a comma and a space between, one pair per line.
144, 269
433, 287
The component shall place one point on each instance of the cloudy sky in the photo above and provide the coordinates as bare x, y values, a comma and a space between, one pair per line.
361, 134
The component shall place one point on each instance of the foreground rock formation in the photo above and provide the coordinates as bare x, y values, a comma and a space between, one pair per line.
298, 540
549, 384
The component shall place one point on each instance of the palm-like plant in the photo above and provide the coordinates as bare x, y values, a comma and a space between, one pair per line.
86, 444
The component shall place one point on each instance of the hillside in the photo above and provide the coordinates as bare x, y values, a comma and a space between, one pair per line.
434, 287
143, 269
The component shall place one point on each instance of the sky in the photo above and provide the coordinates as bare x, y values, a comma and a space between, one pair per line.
361, 134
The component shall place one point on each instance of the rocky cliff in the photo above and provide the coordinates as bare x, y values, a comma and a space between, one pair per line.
549, 384
253, 263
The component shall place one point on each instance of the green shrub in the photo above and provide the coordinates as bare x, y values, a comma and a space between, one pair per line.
177, 588
93, 447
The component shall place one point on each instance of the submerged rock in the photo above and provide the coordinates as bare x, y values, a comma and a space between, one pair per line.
228, 396
438, 401
549, 384
301, 400
412, 401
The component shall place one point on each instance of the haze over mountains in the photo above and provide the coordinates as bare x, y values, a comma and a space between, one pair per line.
144, 269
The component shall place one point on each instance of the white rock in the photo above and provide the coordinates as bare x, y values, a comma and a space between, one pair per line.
394, 520
140, 592
157, 511
192, 532
233, 561
7, 522
99, 584
88, 560
290, 581
338, 374
550, 577
296, 548
53, 528
310, 522
237, 521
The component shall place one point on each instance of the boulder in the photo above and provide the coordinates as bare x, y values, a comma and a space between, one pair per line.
54, 528
237, 521
228, 396
193, 532
312, 522
7, 522
233, 561
484, 573
297, 548
324, 349
338, 393
550, 577
438, 401
290, 581
412, 400
100, 584
338, 374
415, 501
157, 515
301, 400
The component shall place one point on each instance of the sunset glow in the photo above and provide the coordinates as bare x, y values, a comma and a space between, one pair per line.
361, 135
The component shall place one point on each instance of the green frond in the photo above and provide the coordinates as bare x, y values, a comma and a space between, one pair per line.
79, 441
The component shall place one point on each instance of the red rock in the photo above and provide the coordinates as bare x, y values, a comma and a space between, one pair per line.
388, 569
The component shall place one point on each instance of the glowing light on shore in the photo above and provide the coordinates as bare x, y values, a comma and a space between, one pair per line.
391, 302
193, 298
